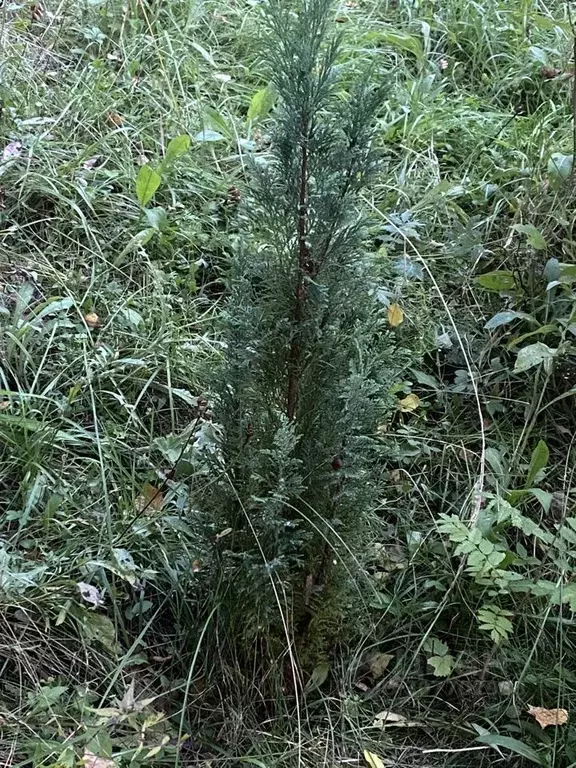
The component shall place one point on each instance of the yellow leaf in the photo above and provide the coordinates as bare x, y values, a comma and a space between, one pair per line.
545, 717
395, 315
373, 760
151, 498
409, 403
90, 760
379, 664
92, 320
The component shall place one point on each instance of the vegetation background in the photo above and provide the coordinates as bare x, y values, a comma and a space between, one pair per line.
128, 134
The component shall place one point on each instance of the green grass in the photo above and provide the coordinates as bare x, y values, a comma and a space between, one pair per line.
90, 415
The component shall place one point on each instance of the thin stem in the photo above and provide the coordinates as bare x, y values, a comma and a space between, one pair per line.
295, 354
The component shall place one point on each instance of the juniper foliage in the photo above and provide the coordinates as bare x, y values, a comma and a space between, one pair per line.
299, 392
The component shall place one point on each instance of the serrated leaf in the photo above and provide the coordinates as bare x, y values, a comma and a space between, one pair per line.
436, 647
395, 315
261, 103
533, 355
177, 147
499, 280
147, 182
533, 235
539, 460
514, 745
442, 666
373, 760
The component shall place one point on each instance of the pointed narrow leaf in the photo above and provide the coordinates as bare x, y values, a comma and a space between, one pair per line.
518, 747
538, 461
403, 41
261, 104
508, 316
147, 183
208, 135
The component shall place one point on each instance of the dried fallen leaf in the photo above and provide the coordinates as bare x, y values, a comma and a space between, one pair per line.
92, 320
545, 717
91, 163
379, 664
395, 315
373, 760
90, 760
151, 498
90, 594
225, 532
409, 403
115, 119
391, 718
14, 149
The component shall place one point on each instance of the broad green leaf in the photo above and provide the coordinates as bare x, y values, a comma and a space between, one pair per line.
533, 355
425, 378
147, 182
261, 103
533, 235
503, 318
98, 627
157, 218
514, 745
442, 666
208, 135
539, 460
552, 270
494, 460
499, 280
567, 273
559, 168
544, 497
177, 146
